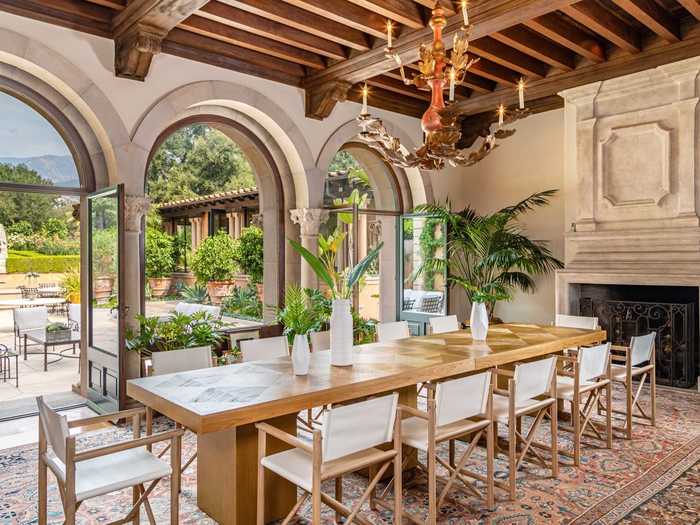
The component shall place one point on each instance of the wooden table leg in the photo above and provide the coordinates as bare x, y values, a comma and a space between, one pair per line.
227, 475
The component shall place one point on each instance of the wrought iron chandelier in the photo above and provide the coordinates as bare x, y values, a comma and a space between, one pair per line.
441, 131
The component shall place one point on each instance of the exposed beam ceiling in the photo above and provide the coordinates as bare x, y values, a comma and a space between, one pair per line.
606, 24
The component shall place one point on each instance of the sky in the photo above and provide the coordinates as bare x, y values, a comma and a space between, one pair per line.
25, 133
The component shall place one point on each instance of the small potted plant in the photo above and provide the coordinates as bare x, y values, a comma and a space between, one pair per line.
160, 262
213, 265
298, 318
71, 286
57, 332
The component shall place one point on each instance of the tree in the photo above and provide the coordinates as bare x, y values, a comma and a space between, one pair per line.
34, 208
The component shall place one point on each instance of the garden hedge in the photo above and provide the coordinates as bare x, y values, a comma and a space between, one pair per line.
28, 261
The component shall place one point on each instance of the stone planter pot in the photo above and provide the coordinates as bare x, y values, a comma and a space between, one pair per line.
259, 287
241, 281
160, 285
103, 286
74, 297
186, 278
218, 290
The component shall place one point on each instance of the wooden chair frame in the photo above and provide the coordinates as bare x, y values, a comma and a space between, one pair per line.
570, 368
520, 445
455, 467
621, 354
140, 492
333, 470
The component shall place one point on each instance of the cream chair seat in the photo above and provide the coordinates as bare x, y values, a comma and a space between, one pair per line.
414, 430
619, 372
501, 406
565, 387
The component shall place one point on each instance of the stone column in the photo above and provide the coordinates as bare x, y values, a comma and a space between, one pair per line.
387, 268
309, 221
194, 233
231, 218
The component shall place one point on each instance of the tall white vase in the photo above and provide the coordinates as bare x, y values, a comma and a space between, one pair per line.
479, 322
341, 333
301, 355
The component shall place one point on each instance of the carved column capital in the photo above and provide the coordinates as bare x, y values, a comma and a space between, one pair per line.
135, 208
309, 219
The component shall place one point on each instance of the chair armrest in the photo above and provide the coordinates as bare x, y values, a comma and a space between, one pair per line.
502, 392
414, 412
127, 445
566, 373
107, 417
284, 436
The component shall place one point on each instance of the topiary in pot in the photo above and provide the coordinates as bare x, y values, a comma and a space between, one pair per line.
213, 264
249, 253
160, 262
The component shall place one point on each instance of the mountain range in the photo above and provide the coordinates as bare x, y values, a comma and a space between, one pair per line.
59, 169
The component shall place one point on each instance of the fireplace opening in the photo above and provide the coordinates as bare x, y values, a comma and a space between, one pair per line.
625, 311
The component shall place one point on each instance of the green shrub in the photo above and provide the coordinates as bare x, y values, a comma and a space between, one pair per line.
159, 252
249, 253
23, 263
214, 259
243, 303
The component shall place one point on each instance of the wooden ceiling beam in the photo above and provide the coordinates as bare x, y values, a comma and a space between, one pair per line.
509, 57
606, 24
654, 17
240, 38
568, 35
304, 21
447, 5
397, 86
692, 6
112, 4
383, 99
496, 72
73, 14
262, 26
530, 43
471, 81
404, 12
346, 13
462, 90
623, 64
139, 31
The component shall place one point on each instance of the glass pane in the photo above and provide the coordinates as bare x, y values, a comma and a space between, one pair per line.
104, 248
347, 183
31, 150
424, 290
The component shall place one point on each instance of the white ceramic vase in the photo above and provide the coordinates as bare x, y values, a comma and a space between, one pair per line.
301, 355
341, 333
479, 322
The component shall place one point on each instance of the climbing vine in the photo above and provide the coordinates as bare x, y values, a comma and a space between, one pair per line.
429, 245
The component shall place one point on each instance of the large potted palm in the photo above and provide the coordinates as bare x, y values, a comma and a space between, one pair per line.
490, 256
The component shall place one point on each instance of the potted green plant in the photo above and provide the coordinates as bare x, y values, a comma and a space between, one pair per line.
248, 255
57, 332
160, 261
70, 282
490, 256
213, 265
298, 318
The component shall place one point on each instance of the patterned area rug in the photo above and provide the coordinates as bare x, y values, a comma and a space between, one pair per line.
653, 479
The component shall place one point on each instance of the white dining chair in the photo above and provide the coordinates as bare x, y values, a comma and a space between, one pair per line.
172, 362
334, 451
532, 391
460, 408
587, 375
265, 348
444, 324
387, 332
320, 340
26, 320
74, 316
576, 321
101, 470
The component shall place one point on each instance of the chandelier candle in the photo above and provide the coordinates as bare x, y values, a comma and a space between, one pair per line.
465, 13
453, 78
364, 99
389, 28
521, 93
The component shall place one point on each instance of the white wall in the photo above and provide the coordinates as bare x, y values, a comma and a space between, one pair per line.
531, 160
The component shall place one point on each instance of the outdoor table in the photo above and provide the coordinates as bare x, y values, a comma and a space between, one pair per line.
222, 404
39, 336
28, 303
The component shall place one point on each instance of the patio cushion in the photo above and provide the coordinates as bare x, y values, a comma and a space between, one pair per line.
500, 406
294, 465
414, 430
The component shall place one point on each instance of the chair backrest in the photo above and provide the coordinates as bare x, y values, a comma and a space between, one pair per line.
441, 325
235, 338
267, 348
74, 313
193, 308
641, 347
320, 340
593, 361
374, 417
31, 318
174, 361
576, 321
534, 378
55, 428
392, 331
461, 398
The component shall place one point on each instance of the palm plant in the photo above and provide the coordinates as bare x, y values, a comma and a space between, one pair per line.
490, 256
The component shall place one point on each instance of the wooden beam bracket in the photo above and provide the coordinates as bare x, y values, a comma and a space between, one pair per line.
321, 99
134, 51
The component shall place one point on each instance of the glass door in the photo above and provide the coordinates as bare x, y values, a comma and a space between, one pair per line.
106, 310
422, 291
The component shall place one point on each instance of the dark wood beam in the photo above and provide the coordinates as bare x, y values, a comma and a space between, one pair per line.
471, 81
397, 86
555, 28
304, 21
461, 90
346, 13
240, 38
623, 64
404, 12
492, 71
530, 43
72, 14
654, 17
607, 25
382, 99
140, 29
321, 100
507, 56
692, 6
112, 4
267, 28
447, 5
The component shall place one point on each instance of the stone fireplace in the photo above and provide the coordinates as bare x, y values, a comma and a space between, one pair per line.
633, 203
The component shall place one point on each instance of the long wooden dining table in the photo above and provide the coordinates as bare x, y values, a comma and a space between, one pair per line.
222, 404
